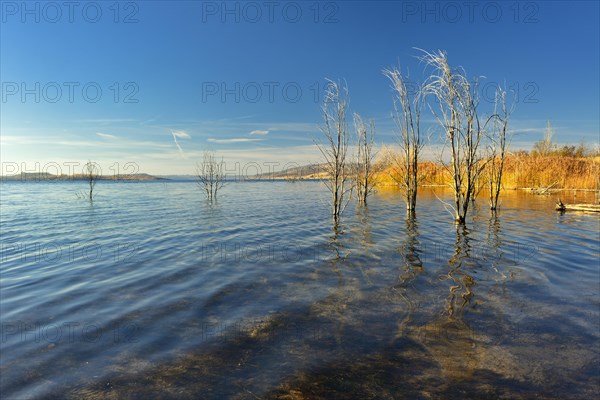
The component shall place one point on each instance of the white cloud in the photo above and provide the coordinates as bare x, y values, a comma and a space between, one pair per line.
259, 132
106, 135
233, 140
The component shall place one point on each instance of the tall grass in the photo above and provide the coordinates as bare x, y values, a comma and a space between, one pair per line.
521, 170
527, 171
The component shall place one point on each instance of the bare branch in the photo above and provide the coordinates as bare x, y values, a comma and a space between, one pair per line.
498, 145
92, 173
364, 163
407, 116
335, 148
457, 103
210, 175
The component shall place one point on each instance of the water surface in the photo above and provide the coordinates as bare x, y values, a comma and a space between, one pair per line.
148, 289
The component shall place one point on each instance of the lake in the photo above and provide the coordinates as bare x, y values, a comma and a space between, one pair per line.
151, 292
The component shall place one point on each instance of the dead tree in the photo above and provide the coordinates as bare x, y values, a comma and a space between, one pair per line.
457, 113
365, 168
407, 116
335, 146
498, 146
210, 175
545, 147
91, 173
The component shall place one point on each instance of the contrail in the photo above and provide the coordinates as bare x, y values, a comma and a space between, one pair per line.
180, 134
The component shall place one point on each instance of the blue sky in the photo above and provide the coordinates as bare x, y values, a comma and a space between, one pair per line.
156, 83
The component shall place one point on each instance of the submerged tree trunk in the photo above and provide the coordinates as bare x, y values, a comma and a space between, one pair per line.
335, 148
210, 175
407, 116
498, 147
458, 116
365, 170
92, 173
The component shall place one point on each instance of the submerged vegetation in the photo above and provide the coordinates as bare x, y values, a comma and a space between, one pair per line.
335, 148
463, 130
364, 165
407, 116
474, 153
91, 173
210, 175
473, 143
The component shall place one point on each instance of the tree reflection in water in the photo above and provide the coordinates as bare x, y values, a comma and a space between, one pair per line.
461, 292
448, 338
411, 268
494, 254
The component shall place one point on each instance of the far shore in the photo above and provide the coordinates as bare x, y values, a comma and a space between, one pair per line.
44, 176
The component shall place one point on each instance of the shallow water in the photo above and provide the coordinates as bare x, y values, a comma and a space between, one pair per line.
150, 290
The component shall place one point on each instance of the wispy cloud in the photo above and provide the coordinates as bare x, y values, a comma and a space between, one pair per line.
106, 135
259, 132
105, 121
182, 135
233, 140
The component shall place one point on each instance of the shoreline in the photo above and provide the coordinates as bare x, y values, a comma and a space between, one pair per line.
531, 189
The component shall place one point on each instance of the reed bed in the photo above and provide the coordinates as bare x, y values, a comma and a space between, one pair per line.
521, 170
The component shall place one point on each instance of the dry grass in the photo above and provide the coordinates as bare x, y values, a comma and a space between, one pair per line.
433, 174
526, 171
522, 170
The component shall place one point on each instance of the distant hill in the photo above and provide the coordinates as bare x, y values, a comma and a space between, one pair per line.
45, 176
313, 171
178, 177
305, 172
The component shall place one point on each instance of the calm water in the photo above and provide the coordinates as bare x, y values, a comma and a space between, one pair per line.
150, 292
